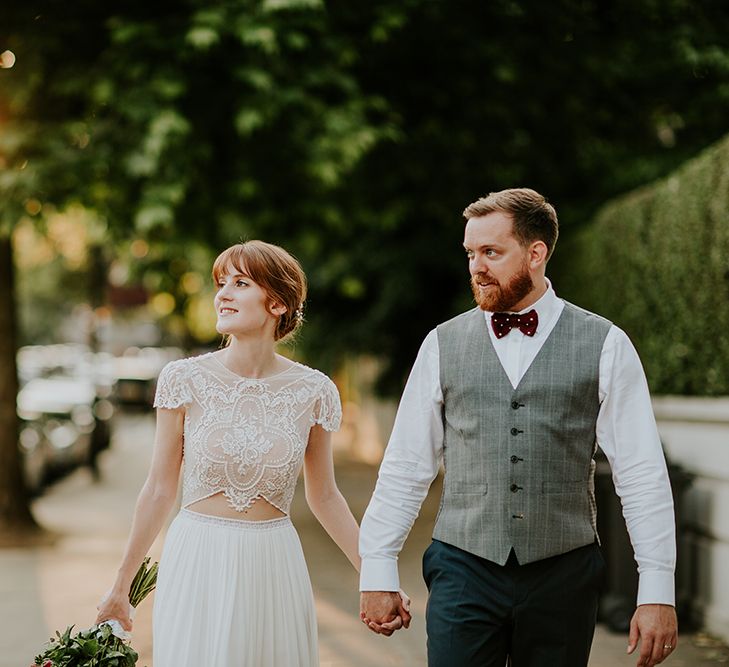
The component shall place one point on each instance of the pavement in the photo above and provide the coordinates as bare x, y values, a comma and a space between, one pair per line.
50, 587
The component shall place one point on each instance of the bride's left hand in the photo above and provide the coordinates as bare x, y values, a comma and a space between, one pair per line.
402, 620
405, 603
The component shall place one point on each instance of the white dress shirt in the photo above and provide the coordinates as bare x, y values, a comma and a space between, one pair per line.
626, 432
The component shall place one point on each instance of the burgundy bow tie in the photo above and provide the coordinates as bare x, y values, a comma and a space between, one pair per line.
503, 323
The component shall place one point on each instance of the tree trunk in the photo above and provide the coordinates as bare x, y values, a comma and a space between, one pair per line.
97, 276
97, 272
15, 514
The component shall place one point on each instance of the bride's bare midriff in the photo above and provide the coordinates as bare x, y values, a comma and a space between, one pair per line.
217, 505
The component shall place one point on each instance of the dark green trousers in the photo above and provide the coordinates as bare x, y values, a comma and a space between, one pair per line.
481, 614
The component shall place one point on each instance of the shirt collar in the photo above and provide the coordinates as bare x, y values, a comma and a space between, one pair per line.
545, 306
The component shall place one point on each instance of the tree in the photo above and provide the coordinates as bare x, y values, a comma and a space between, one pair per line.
352, 133
13, 495
40, 162
579, 100
177, 123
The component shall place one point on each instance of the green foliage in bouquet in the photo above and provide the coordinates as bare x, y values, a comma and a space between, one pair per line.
98, 646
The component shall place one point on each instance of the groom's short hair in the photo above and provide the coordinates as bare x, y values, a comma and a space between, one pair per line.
534, 217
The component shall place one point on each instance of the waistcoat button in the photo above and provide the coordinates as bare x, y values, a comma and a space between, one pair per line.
516, 459
514, 431
514, 488
515, 405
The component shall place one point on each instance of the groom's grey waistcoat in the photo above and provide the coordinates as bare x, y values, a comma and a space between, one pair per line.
519, 469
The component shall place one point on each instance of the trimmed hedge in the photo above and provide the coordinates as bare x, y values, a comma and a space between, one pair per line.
656, 262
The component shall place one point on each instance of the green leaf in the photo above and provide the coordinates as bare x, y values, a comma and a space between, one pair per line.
248, 120
279, 5
90, 647
202, 38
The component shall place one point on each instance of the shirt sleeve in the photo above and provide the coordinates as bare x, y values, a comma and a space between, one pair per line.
627, 434
409, 466
328, 407
173, 390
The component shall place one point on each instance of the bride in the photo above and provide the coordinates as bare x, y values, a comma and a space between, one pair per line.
233, 588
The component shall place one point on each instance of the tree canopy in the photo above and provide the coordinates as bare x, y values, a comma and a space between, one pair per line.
353, 134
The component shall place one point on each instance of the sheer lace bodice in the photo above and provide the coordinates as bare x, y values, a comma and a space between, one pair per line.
245, 437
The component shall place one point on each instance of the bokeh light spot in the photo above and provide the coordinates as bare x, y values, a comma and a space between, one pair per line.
163, 303
191, 282
33, 207
139, 248
7, 59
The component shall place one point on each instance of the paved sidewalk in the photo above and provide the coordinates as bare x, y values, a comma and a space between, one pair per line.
51, 587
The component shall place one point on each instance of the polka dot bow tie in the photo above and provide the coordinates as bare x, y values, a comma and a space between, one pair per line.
503, 323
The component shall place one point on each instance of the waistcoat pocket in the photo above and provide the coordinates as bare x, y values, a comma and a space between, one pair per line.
564, 487
471, 488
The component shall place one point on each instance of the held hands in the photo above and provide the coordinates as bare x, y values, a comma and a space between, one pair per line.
657, 628
115, 606
383, 612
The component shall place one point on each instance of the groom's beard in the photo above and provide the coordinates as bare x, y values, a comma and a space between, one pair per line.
500, 298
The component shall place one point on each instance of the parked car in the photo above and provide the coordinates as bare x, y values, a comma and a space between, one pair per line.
64, 408
136, 372
57, 424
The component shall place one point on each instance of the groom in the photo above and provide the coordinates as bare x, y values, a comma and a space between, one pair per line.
513, 397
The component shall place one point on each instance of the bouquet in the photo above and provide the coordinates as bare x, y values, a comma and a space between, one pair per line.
106, 644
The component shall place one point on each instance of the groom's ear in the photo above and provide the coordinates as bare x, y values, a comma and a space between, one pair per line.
537, 254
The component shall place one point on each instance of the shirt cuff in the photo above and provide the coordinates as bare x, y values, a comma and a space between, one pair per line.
656, 588
379, 574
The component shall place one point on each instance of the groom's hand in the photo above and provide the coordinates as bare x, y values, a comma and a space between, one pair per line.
383, 612
656, 627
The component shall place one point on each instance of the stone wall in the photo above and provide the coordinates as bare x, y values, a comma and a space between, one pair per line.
695, 435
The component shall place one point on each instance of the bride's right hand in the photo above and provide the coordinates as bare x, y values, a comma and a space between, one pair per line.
115, 606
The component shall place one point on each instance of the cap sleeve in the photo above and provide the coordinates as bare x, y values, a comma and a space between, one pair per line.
172, 387
328, 407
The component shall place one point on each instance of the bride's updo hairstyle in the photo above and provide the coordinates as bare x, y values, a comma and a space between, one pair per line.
273, 269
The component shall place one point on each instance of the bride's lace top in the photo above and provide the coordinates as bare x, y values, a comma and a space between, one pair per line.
245, 437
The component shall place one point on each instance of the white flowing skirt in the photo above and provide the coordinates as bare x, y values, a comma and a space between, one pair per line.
233, 593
